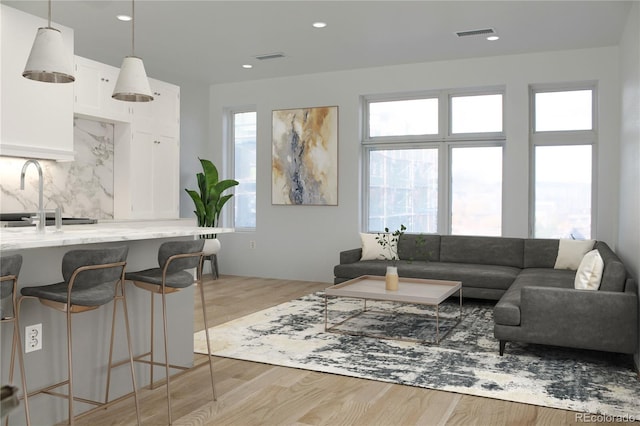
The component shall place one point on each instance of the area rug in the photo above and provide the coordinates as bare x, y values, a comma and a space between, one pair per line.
466, 361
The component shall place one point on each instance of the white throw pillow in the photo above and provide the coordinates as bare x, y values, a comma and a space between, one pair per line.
571, 252
371, 248
589, 272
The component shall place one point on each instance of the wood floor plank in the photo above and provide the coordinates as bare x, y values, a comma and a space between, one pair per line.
252, 393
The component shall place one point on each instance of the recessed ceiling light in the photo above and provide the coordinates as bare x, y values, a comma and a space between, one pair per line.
247, 66
493, 38
123, 17
319, 24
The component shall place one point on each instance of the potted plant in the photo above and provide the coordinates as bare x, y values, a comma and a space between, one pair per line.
210, 201
389, 242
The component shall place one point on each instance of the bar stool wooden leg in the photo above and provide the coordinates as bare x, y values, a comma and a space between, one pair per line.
151, 386
123, 298
70, 366
166, 352
206, 328
17, 344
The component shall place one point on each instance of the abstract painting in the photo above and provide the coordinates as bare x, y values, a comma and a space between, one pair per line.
304, 168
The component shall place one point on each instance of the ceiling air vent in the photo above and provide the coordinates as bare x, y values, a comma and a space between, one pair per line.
275, 55
484, 31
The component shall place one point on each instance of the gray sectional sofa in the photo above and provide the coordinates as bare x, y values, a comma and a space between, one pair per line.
535, 302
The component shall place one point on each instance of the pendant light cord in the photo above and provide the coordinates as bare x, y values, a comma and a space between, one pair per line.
133, 27
49, 26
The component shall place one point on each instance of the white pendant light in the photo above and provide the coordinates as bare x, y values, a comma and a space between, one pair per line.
49, 61
132, 84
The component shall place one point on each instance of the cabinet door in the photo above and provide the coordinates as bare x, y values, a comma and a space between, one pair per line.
87, 86
166, 107
93, 89
142, 174
163, 113
150, 189
166, 177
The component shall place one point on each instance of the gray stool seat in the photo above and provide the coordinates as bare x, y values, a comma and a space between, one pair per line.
90, 286
97, 295
92, 278
180, 279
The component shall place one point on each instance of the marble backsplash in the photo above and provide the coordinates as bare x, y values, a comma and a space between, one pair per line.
82, 188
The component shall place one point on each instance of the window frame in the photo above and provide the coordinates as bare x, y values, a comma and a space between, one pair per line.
229, 136
563, 138
444, 141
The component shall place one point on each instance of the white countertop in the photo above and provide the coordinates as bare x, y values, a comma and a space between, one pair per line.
102, 232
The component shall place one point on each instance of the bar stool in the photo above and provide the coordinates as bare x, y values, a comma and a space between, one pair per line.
174, 258
9, 270
92, 278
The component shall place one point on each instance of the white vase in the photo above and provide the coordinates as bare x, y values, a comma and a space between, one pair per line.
391, 278
211, 246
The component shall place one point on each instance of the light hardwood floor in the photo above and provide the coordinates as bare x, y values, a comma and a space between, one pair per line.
257, 394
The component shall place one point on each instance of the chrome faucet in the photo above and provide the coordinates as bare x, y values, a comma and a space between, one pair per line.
40, 215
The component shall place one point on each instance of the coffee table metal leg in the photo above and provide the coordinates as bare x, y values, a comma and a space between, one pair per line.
325, 312
437, 324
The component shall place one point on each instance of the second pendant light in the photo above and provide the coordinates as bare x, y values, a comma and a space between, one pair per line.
132, 84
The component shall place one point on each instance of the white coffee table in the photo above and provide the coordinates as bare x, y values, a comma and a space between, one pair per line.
410, 290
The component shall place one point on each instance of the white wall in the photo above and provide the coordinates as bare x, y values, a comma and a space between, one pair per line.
629, 229
194, 138
303, 242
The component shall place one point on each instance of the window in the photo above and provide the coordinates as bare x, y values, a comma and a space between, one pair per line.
563, 137
402, 118
476, 190
476, 114
430, 160
563, 191
561, 111
403, 189
244, 168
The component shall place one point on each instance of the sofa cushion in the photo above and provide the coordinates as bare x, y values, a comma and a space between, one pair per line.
373, 250
364, 267
614, 275
471, 275
589, 272
419, 247
501, 251
540, 252
571, 252
507, 310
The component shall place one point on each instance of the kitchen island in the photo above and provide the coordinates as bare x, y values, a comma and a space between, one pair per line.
42, 258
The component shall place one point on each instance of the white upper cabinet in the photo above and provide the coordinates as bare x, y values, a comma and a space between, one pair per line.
147, 166
93, 89
37, 117
163, 113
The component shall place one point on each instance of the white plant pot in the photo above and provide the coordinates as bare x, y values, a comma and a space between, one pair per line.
211, 246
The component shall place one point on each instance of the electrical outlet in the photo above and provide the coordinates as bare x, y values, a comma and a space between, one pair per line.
252, 244
32, 338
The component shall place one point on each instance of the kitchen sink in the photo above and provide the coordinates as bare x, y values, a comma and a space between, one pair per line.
14, 220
